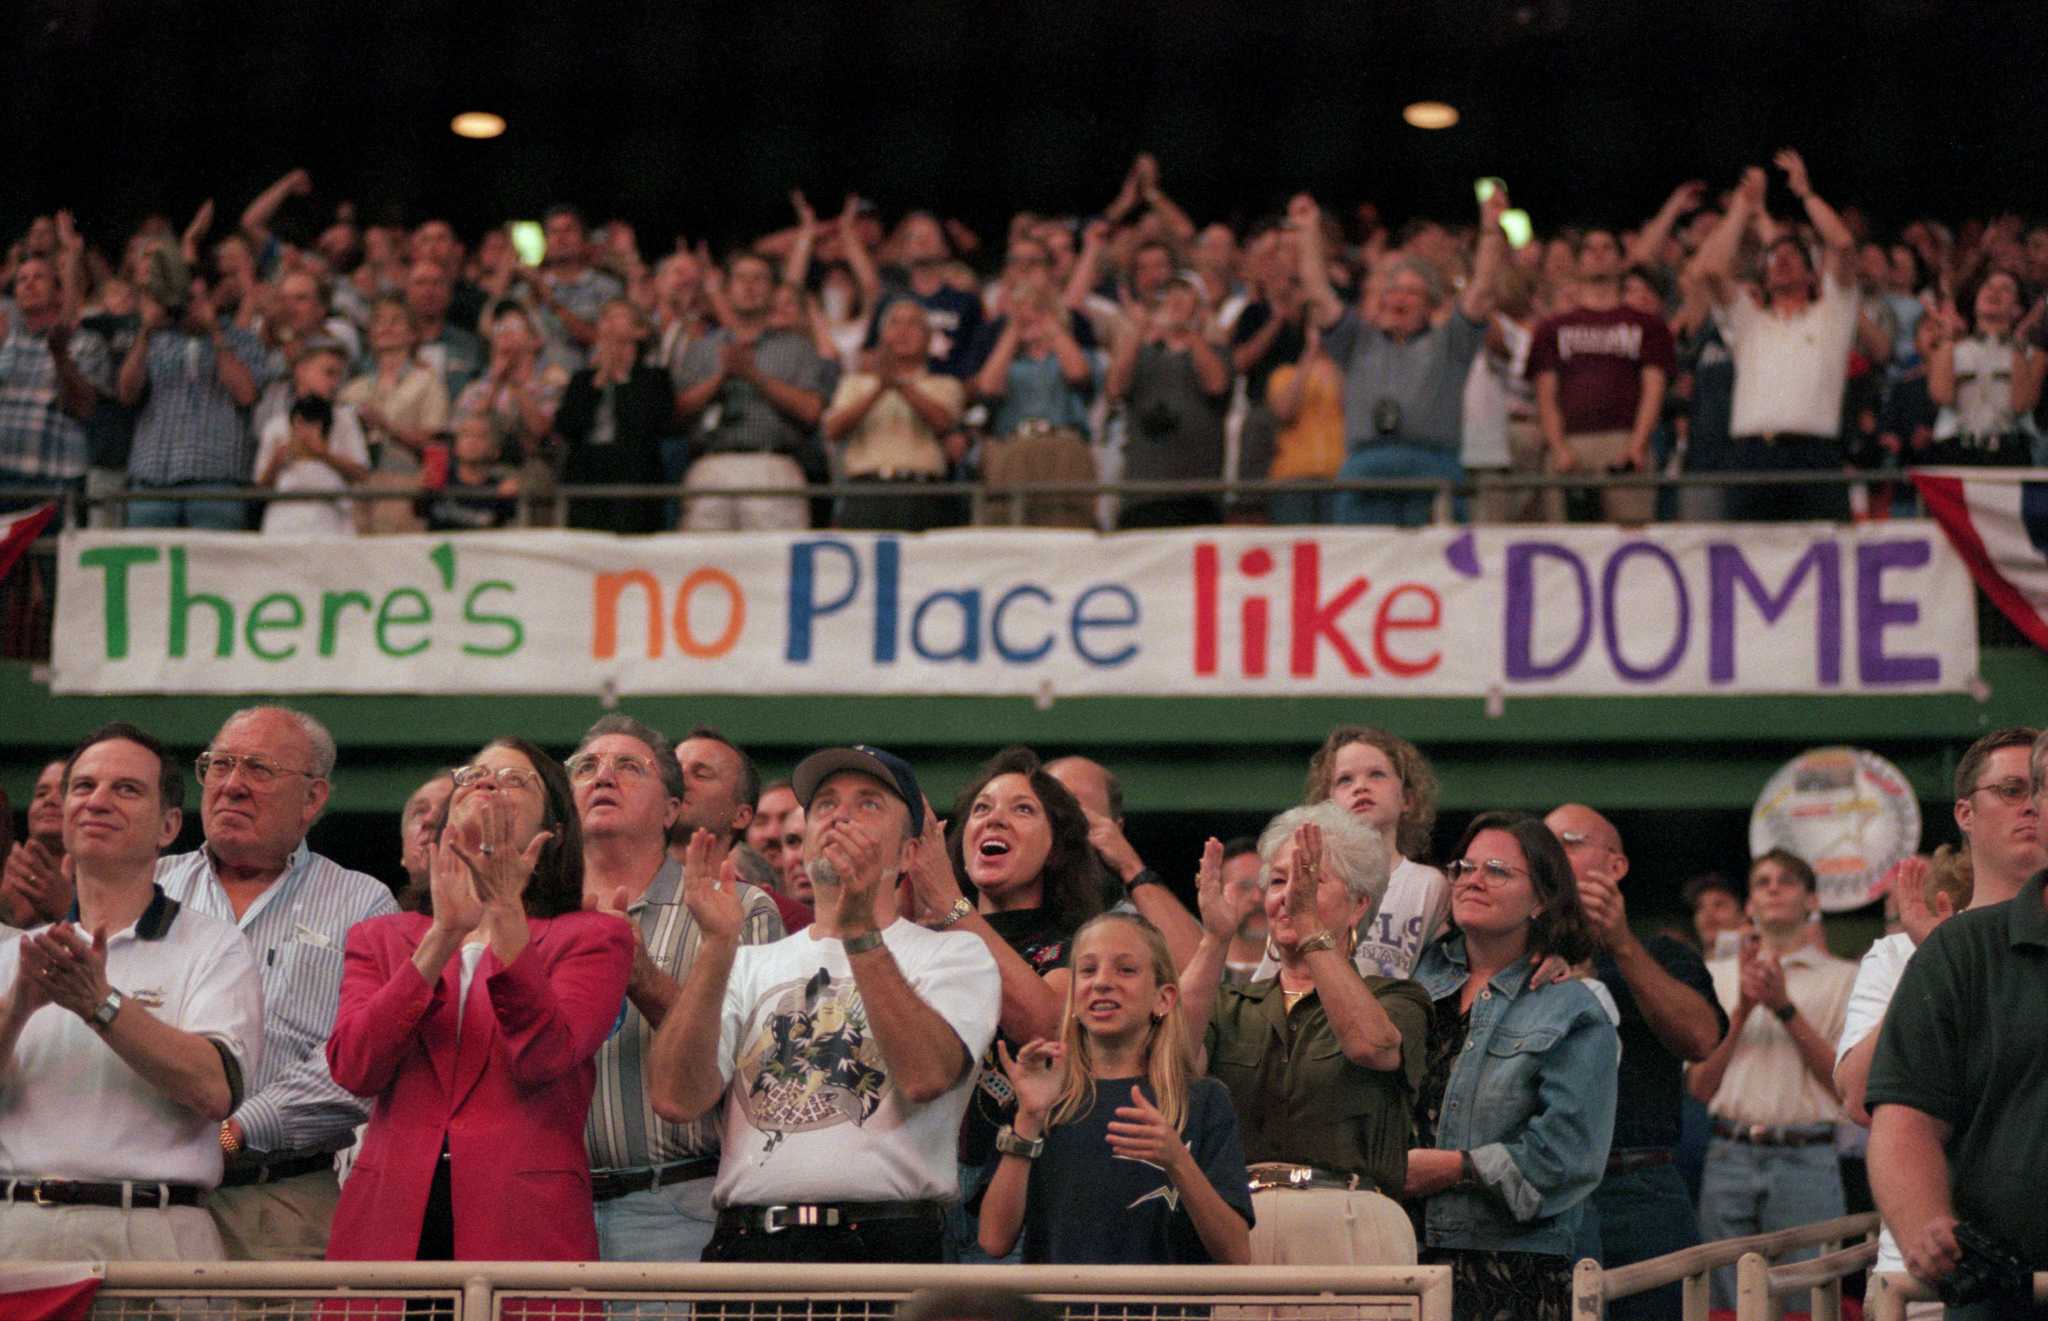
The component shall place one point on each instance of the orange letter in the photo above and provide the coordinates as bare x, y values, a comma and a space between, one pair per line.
735, 619
609, 587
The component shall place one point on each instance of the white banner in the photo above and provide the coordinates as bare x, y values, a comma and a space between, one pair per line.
1697, 608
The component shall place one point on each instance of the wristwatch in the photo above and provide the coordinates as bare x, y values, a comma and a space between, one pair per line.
961, 908
103, 1013
1788, 1013
1321, 940
862, 943
230, 1141
1010, 1144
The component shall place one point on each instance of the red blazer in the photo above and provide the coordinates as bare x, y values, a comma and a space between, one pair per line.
510, 1102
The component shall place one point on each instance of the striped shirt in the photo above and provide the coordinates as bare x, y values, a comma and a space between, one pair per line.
296, 928
38, 439
624, 1133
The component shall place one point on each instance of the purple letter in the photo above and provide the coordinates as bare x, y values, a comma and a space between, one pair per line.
1521, 616
1609, 577
1727, 569
1874, 614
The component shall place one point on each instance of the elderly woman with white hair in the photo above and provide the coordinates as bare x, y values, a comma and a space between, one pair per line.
1322, 1063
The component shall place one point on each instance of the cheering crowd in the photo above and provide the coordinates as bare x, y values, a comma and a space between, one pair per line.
331, 355
638, 1006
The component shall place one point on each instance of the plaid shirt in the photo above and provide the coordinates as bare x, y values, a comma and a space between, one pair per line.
39, 441
189, 429
740, 419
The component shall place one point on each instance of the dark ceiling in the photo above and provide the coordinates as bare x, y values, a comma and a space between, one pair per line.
699, 118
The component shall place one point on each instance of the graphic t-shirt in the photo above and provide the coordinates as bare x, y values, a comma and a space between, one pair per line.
1087, 1206
810, 1112
1599, 359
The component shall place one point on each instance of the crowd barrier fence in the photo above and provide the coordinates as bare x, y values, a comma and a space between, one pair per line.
1890, 1292
534, 1291
1593, 1288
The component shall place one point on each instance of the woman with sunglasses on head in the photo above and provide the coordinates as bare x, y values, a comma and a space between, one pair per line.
473, 1024
1516, 1109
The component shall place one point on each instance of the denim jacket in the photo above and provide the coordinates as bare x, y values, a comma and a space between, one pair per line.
1531, 1096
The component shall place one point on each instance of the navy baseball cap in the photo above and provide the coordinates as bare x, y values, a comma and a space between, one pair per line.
893, 772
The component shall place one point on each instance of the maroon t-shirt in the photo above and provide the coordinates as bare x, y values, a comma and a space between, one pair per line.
1599, 359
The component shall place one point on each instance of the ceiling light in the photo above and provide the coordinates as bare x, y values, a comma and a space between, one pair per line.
484, 124
1430, 114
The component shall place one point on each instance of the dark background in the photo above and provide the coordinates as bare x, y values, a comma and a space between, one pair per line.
698, 118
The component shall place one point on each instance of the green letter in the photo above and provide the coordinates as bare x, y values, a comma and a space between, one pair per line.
507, 622
181, 607
388, 617
115, 560
295, 615
331, 606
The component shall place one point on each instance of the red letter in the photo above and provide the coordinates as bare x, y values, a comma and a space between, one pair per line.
1205, 607
1315, 619
1383, 623
1252, 614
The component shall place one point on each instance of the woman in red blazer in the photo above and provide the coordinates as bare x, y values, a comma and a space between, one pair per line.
473, 1029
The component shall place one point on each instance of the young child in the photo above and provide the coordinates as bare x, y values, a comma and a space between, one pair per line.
480, 493
309, 453
1113, 1180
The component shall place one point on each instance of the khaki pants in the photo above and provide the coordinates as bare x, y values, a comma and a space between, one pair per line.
706, 511
283, 1221
1596, 452
106, 1233
1330, 1227
1521, 504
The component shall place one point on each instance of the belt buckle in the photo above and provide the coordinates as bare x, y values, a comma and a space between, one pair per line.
1760, 1134
42, 1198
775, 1219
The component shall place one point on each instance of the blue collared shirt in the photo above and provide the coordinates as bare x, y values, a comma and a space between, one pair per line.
296, 929
1531, 1096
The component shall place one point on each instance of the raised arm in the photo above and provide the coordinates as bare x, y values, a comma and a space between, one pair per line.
1647, 247
796, 268
685, 1076
1476, 302
1305, 218
257, 215
1713, 266
858, 259
1834, 234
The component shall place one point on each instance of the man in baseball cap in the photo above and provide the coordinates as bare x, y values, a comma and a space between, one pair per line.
894, 773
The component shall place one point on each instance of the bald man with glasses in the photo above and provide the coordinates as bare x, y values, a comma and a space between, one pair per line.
263, 781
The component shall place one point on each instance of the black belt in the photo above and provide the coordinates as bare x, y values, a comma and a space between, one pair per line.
72, 1192
1268, 1175
1637, 1158
891, 475
607, 1184
821, 1215
237, 1176
1764, 1135
1788, 438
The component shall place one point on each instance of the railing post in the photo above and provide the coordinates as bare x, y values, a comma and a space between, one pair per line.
1753, 1288
1589, 1295
477, 1299
1699, 1295
1445, 505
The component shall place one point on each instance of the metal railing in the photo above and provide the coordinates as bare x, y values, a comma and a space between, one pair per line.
541, 507
527, 1291
1593, 1288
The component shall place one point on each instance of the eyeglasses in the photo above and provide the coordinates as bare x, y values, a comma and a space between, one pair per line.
216, 766
2011, 792
508, 777
624, 766
1494, 871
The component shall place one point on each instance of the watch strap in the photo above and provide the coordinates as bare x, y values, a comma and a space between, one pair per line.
107, 1010
961, 908
862, 943
1322, 940
1788, 1013
1010, 1144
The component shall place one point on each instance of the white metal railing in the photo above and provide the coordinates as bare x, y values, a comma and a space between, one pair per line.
528, 1291
1593, 1288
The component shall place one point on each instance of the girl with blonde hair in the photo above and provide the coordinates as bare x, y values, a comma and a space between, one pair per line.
1120, 1153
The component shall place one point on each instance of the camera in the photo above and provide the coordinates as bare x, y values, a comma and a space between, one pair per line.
1988, 1269
1386, 416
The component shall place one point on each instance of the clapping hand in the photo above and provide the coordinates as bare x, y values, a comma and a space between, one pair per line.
711, 890
1223, 909
74, 970
1038, 1074
1794, 167
1140, 1132
1302, 884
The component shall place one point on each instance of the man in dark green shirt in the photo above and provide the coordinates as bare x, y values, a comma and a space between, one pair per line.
1959, 1090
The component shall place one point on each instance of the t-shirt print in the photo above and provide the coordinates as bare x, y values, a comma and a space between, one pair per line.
811, 1062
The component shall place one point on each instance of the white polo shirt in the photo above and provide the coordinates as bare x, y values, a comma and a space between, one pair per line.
73, 1109
1789, 370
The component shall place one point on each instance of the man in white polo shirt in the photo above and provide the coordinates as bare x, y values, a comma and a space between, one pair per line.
1791, 342
126, 1032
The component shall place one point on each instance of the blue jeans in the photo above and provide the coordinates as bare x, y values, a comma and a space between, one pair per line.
1751, 1189
212, 515
1636, 1216
1394, 458
662, 1224
1311, 504
963, 1227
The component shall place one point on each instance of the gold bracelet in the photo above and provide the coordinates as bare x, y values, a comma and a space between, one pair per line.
1322, 940
229, 1143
